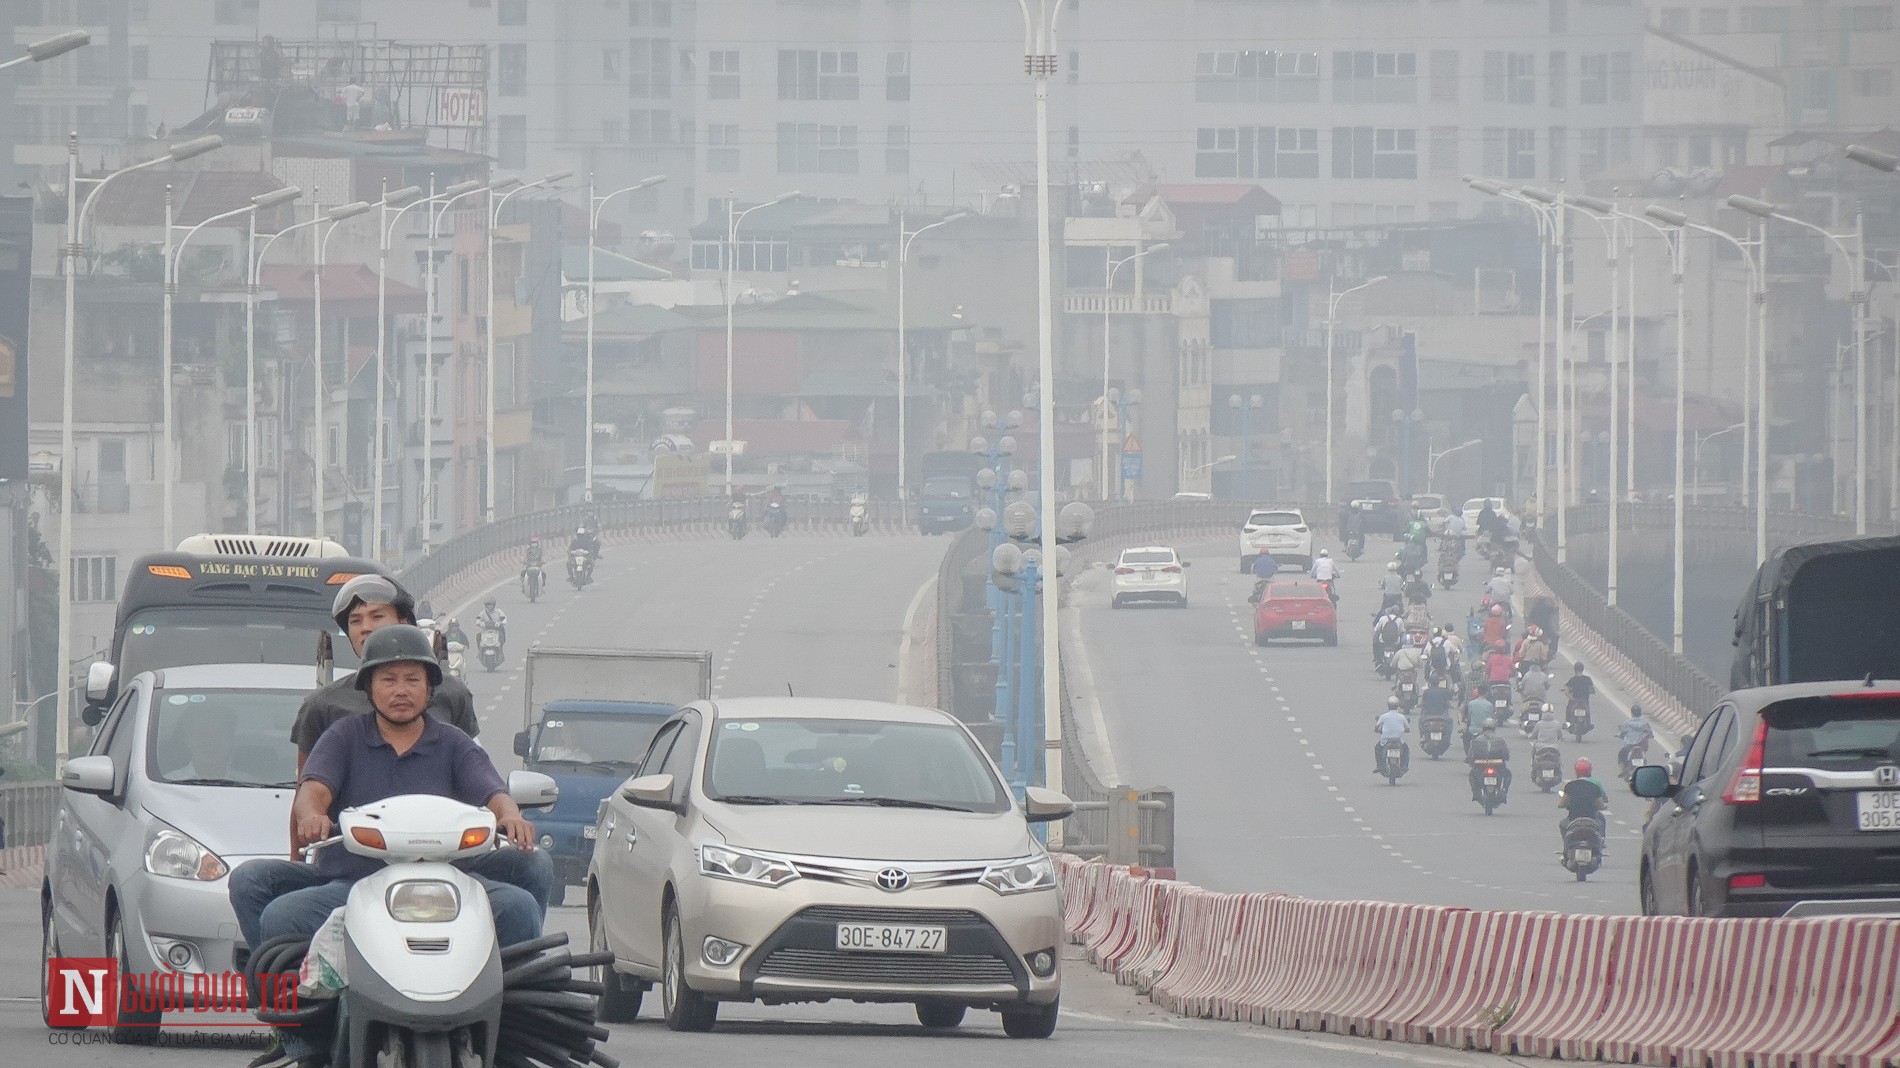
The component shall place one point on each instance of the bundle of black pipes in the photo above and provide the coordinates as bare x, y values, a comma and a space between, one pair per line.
547, 1013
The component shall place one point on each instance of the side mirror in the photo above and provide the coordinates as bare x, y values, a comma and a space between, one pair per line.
98, 681
1042, 805
88, 775
532, 790
1651, 781
650, 791
521, 744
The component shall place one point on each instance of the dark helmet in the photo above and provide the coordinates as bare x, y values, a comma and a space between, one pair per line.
394, 645
371, 589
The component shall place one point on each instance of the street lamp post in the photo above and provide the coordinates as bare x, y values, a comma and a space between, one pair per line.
595, 204
76, 212
1857, 293
488, 406
1431, 461
437, 212
1110, 267
1245, 407
319, 498
59, 45
1332, 319
176, 253
1704, 439
904, 237
1758, 274
401, 200
1404, 420
732, 262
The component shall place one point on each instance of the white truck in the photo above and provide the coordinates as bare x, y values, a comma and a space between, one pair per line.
587, 717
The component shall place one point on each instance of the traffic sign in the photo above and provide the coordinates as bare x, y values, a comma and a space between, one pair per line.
1133, 444
1131, 466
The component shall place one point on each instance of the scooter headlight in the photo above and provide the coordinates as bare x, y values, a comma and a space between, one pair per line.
424, 901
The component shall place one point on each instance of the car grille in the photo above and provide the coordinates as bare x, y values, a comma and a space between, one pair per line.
845, 914
907, 969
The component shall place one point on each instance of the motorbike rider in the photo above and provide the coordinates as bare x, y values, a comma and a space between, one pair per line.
1532, 648
1264, 566
1392, 726
1454, 536
1477, 713
1324, 568
1387, 632
533, 556
1499, 587
1496, 628
1410, 656
1582, 797
1435, 701
1635, 731
1550, 730
395, 749
452, 631
586, 538
1487, 520
1487, 746
1535, 685
492, 616
1391, 588
1580, 688
1498, 664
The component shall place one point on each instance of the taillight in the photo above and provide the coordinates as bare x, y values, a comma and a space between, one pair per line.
1299, 530
1124, 571
1750, 881
1172, 569
1745, 787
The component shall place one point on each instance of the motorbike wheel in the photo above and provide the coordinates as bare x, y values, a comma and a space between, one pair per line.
1582, 876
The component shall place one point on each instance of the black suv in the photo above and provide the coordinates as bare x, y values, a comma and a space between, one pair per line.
1787, 804
1379, 508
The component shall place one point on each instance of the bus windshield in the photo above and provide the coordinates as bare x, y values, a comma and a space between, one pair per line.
175, 636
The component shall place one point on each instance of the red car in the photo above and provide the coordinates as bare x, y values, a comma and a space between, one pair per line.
1295, 608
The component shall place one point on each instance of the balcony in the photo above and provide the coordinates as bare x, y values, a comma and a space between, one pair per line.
1099, 303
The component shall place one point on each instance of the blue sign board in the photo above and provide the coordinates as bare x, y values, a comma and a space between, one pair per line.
1131, 466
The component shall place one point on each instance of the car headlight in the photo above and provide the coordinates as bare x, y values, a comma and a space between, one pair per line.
1021, 876
176, 855
744, 866
424, 901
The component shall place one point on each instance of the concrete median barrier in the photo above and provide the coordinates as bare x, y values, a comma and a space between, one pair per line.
1665, 991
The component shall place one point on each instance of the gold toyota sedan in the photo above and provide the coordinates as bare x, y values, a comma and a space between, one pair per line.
790, 849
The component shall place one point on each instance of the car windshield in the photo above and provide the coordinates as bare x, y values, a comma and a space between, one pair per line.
957, 488
1276, 519
1427, 504
227, 737
610, 741
1149, 556
1841, 733
851, 761
178, 637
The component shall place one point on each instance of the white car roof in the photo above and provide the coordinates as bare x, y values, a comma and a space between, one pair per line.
238, 676
1258, 508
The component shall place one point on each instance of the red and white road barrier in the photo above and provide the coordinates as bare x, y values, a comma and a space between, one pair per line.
1663, 991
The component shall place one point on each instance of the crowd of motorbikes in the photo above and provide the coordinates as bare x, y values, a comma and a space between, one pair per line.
1451, 683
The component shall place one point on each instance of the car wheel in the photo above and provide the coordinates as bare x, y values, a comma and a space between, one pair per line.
1114, 602
1333, 638
1646, 892
940, 1015
132, 1028
1031, 1021
620, 997
49, 948
1259, 638
1694, 891
686, 1009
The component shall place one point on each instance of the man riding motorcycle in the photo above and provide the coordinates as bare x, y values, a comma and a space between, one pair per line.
1391, 726
1435, 701
1499, 587
586, 538
1580, 688
1392, 589
1532, 648
492, 616
1453, 540
1496, 628
1325, 568
1387, 632
1584, 797
395, 749
1633, 737
1264, 567
533, 556
1477, 713
1487, 749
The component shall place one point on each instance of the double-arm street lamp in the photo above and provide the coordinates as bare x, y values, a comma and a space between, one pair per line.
58, 45
76, 212
1332, 320
488, 407
1108, 296
596, 202
440, 203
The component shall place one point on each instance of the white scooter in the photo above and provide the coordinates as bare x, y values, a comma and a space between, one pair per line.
423, 972
488, 647
458, 661
860, 518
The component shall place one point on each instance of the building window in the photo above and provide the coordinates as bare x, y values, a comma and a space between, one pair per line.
226, 13
1520, 154
1559, 79
1263, 77
1444, 152
1593, 78
1075, 142
1873, 81
234, 452
95, 578
1767, 19
511, 12
722, 147
1592, 148
1075, 67
1374, 152
1375, 77
649, 68
1256, 152
511, 70
646, 126
813, 148
649, 12
897, 150
611, 131
1444, 77
1559, 141
1674, 20
810, 75
896, 76
511, 142
1712, 20
609, 64
722, 75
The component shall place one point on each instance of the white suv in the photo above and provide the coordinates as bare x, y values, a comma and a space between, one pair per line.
1282, 530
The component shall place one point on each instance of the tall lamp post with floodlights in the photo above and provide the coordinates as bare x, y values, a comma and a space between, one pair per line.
905, 236
488, 376
1108, 295
1757, 270
733, 219
318, 440
1332, 320
440, 203
394, 203
1857, 294
595, 204
258, 203
76, 212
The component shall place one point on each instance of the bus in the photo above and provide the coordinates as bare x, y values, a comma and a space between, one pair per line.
228, 598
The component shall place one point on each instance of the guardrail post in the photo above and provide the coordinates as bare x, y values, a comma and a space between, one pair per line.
1124, 826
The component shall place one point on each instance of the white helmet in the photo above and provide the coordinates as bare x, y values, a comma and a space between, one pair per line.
1393, 566
1499, 572
1322, 552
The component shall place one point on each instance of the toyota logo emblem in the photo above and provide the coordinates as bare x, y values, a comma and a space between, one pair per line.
1887, 775
893, 880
